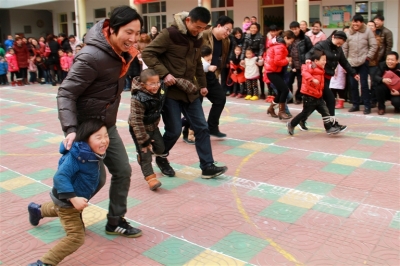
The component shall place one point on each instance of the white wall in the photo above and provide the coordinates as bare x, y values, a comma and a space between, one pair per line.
23, 17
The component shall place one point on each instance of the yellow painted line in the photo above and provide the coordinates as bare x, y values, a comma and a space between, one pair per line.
241, 209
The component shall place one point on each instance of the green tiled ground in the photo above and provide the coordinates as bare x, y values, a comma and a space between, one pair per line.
99, 229
232, 142
48, 232
239, 152
173, 251
265, 140
396, 221
384, 132
169, 183
213, 182
357, 154
240, 246
43, 174
339, 169
2, 190
323, 157
336, 206
283, 212
37, 144
30, 190
315, 187
379, 166
269, 192
275, 149
371, 142
7, 175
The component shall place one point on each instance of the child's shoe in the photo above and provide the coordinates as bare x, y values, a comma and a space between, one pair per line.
35, 214
302, 125
153, 182
233, 95
248, 97
254, 98
290, 128
38, 263
333, 130
240, 96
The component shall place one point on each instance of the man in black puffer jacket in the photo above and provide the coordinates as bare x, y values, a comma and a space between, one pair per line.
297, 51
93, 89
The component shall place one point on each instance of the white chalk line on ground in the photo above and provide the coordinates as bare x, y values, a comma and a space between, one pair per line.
151, 227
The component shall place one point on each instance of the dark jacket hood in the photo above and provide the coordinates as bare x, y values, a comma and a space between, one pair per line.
179, 22
96, 37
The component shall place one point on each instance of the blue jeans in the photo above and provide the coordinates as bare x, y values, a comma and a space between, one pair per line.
363, 71
193, 112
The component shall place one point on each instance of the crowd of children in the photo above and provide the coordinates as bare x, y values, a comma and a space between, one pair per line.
25, 56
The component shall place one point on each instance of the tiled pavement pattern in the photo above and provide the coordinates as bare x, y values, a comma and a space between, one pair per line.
310, 199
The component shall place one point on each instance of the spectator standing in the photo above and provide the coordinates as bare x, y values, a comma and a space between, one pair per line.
13, 67
153, 32
304, 26
256, 42
9, 43
64, 42
32, 70
3, 71
93, 89
359, 49
173, 60
217, 38
73, 42
53, 59
22, 54
298, 50
385, 33
316, 34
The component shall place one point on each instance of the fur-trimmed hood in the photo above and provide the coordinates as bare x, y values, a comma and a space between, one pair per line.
362, 29
179, 19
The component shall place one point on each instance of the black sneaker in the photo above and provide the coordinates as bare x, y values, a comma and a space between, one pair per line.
164, 166
218, 134
35, 214
341, 127
290, 128
38, 263
123, 229
302, 125
333, 130
213, 171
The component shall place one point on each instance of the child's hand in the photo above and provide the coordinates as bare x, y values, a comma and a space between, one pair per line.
316, 81
79, 203
148, 148
212, 68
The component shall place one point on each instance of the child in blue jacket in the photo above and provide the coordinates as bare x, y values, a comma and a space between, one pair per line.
3, 71
75, 182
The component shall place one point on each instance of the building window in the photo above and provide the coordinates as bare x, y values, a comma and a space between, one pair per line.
154, 14
99, 14
73, 18
221, 8
64, 23
369, 9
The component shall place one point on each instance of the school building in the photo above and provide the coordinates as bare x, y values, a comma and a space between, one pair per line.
39, 17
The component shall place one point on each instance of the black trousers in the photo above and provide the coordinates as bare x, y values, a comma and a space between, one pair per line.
328, 97
292, 76
383, 94
217, 97
224, 79
310, 104
280, 85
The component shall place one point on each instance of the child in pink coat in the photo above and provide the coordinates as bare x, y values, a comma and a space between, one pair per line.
66, 60
12, 65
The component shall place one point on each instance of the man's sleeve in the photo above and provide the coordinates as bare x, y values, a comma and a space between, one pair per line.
82, 73
154, 50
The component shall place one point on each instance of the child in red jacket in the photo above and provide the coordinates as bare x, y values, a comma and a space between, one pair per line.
311, 88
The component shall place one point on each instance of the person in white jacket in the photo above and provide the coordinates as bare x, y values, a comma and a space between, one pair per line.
359, 48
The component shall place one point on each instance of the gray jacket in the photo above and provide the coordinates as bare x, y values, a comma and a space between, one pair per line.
359, 46
94, 83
